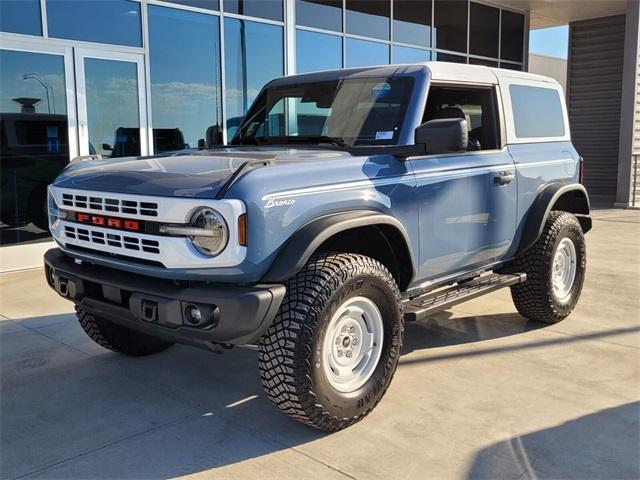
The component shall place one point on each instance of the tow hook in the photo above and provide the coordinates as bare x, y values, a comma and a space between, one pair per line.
149, 311
63, 287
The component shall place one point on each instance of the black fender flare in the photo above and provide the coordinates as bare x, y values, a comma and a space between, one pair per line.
571, 197
305, 241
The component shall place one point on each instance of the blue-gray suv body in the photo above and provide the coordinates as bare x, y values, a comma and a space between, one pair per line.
346, 203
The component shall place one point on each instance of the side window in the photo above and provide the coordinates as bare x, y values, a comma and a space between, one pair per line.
477, 105
537, 112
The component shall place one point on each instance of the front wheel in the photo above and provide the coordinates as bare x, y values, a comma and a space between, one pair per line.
333, 347
555, 266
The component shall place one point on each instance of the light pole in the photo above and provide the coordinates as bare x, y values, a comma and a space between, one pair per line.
46, 87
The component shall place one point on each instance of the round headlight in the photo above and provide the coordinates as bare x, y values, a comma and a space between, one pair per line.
215, 233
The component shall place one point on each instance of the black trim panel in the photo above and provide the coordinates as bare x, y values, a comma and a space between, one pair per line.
576, 202
303, 243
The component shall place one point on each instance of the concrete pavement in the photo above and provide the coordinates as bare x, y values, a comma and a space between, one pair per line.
479, 393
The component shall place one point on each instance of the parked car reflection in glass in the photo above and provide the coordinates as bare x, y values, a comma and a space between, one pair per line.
34, 149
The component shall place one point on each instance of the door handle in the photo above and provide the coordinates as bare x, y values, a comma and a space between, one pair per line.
504, 178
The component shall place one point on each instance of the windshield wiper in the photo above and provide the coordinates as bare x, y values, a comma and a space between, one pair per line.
337, 141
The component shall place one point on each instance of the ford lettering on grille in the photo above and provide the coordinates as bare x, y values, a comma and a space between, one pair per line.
108, 222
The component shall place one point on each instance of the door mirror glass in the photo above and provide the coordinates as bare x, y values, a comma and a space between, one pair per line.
447, 135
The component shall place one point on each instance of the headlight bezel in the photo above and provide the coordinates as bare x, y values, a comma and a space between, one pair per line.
201, 219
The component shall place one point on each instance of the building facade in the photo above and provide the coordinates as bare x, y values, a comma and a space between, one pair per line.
137, 77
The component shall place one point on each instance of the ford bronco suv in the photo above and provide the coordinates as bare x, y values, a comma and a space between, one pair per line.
347, 203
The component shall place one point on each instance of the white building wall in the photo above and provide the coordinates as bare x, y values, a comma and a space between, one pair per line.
553, 67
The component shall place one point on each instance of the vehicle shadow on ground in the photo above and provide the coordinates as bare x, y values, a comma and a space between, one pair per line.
600, 445
442, 330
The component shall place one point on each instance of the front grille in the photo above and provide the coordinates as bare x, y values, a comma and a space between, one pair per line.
96, 239
109, 205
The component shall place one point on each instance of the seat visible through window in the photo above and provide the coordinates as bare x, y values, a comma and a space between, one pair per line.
475, 105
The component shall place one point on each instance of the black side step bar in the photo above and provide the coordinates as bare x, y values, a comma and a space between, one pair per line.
445, 298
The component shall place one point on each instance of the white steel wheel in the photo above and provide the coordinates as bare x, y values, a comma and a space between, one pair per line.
352, 344
563, 272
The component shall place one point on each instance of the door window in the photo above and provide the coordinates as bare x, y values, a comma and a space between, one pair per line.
475, 105
113, 114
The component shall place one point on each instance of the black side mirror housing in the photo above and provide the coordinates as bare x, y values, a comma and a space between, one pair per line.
214, 136
446, 135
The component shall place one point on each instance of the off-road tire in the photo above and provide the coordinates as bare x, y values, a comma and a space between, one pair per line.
290, 359
117, 338
535, 299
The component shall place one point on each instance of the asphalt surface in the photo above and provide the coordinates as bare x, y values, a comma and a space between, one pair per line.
479, 393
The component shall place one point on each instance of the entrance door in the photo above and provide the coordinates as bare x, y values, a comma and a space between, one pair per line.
112, 117
38, 126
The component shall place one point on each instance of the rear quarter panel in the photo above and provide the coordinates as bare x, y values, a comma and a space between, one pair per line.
538, 161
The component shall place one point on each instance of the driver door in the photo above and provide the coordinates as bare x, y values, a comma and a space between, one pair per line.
466, 201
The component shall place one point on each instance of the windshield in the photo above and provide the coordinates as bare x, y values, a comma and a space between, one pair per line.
349, 112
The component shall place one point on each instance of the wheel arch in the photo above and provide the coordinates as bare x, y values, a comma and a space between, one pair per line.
567, 197
370, 233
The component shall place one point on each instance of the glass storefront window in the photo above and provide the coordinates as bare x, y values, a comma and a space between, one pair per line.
361, 53
271, 9
410, 55
34, 140
185, 77
113, 112
113, 21
484, 30
511, 66
512, 42
482, 61
20, 16
254, 55
317, 51
447, 57
369, 18
412, 22
324, 14
206, 4
451, 25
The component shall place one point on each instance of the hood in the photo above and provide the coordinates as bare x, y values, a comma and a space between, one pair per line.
198, 174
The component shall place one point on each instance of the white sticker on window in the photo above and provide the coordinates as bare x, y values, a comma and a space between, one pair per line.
384, 135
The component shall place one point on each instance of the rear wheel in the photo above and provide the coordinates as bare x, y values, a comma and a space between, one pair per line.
117, 338
555, 266
333, 348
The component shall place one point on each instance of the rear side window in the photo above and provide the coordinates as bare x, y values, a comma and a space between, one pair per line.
537, 112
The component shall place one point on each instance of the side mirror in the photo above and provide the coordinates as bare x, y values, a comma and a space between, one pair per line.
107, 147
214, 136
447, 135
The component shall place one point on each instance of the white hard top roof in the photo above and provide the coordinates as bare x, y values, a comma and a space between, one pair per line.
459, 72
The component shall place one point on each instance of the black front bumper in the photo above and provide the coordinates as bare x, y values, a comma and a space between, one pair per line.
230, 314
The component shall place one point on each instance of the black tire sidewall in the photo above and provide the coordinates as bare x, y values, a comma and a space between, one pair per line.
573, 232
348, 405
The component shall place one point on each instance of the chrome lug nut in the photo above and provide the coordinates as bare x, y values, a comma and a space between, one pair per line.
349, 354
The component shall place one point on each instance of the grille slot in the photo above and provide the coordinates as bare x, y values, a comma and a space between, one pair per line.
113, 205
96, 239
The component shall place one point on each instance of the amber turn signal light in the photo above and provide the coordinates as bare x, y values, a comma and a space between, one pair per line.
242, 229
